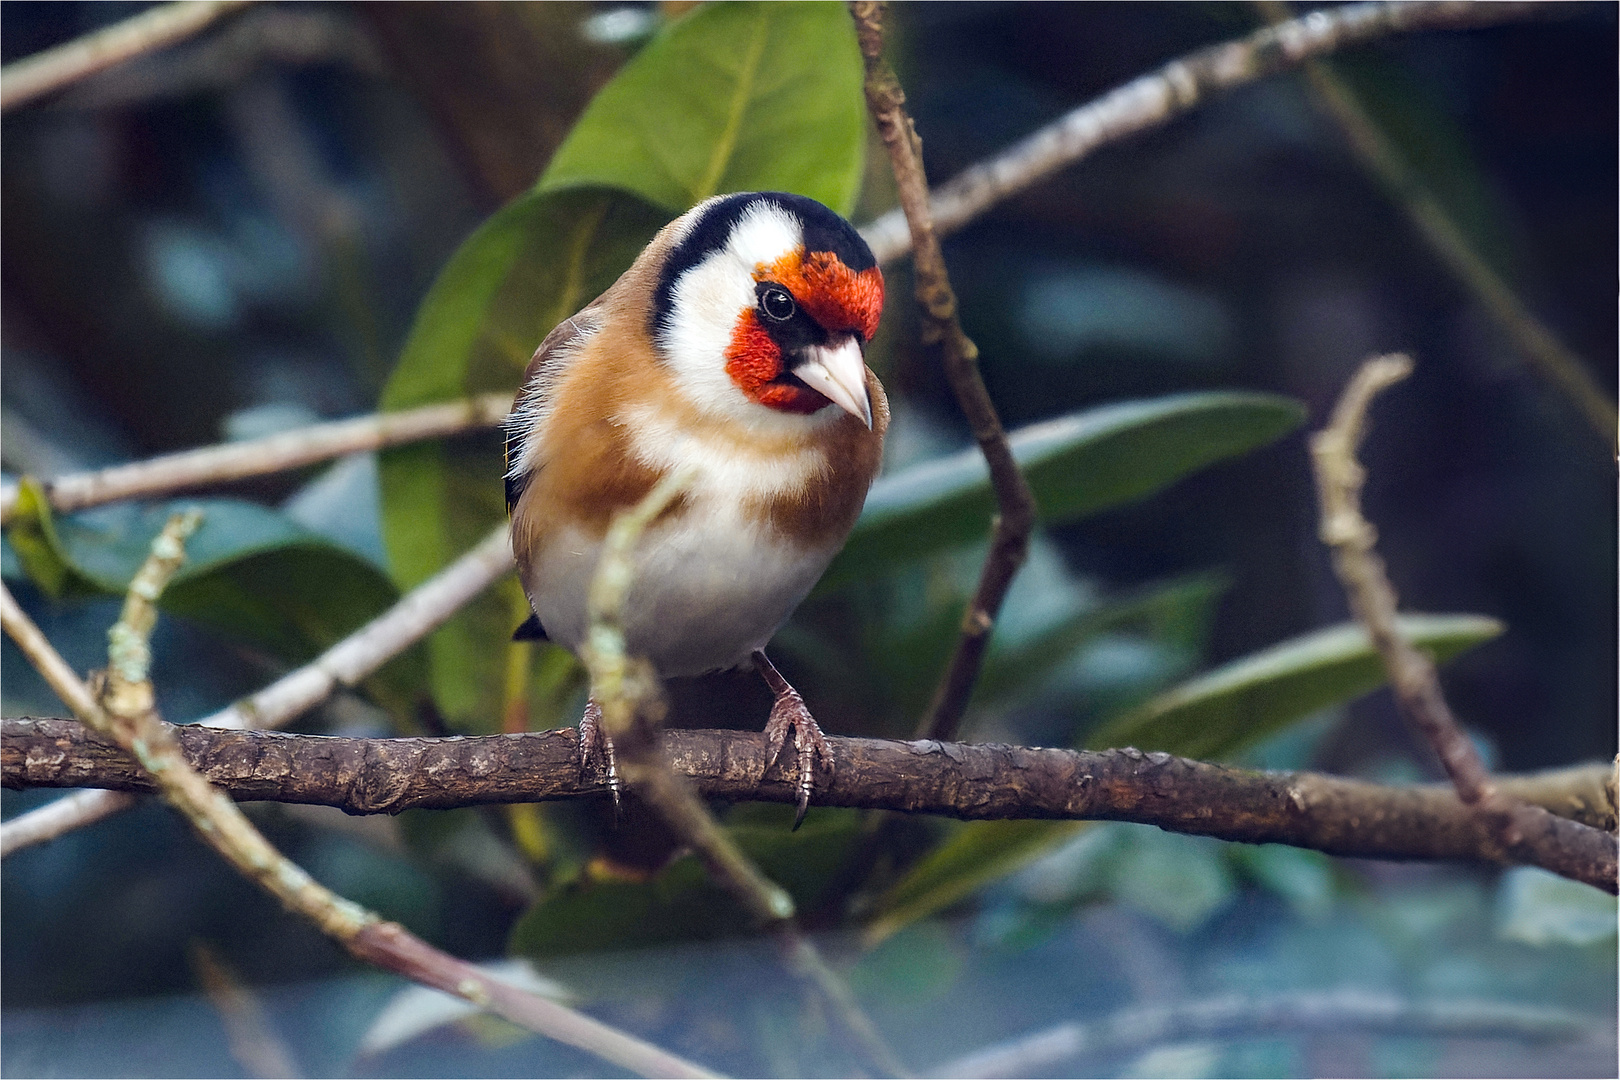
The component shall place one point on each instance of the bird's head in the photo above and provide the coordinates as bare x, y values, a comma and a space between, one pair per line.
764, 306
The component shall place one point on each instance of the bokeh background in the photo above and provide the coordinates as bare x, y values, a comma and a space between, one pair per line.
231, 237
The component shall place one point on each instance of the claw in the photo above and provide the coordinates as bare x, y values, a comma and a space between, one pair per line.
790, 712
596, 750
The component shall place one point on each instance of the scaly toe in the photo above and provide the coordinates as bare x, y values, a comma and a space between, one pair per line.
596, 752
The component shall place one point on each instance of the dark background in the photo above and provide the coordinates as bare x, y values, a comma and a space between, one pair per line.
234, 235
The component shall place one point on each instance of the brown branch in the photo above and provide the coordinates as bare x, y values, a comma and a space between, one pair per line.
1412, 676
124, 715
160, 26
226, 462
1548, 357
346, 664
1009, 542
1153, 100
961, 780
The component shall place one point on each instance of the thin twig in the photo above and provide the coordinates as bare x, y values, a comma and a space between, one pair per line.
61, 816
51, 70
221, 825
273, 36
1015, 503
346, 664
1153, 100
1143, 1027
1549, 357
248, 1029
972, 781
226, 462
1412, 676
627, 690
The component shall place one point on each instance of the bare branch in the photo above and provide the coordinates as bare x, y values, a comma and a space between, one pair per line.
61, 817
160, 26
626, 689
971, 781
1548, 356
346, 664
1153, 100
1009, 541
125, 715
259, 457
271, 36
1412, 676
1145, 1026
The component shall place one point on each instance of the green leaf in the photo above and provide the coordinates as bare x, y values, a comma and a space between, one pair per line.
682, 902
733, 97
1236, 705
1541, 908
1215, 714
529, 267
31, 536
1175, 612
250, 573
977, 853
1178, 880
1303, 878
918, 966
1078, 464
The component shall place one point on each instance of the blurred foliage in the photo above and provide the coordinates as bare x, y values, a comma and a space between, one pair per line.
1080, 464
1167, 603
1237, 705
251, 574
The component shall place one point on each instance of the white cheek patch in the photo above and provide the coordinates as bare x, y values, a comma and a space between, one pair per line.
705, 304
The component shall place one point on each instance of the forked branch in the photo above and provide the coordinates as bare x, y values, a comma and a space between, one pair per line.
1526, 833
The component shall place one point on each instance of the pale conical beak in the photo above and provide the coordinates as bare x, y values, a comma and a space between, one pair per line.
838, 372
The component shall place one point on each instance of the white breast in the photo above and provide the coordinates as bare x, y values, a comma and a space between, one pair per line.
711, 584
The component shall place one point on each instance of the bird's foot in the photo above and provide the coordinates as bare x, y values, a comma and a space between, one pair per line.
596, 751
790, 713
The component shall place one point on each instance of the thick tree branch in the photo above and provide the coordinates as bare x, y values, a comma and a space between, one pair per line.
346, 664
1153, 100
1015, 503
1412, 675
221, 464
962, 780
157, 27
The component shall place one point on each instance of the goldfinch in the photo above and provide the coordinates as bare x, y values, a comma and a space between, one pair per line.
733, 346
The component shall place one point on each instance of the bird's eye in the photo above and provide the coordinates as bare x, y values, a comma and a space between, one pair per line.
777, 304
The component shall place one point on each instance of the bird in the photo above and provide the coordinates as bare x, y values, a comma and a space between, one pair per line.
732, 348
